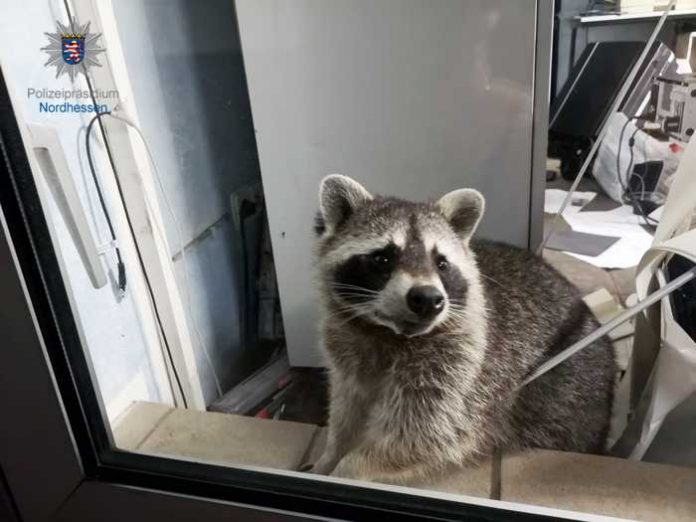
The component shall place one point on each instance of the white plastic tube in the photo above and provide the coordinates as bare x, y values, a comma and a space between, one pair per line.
609, 326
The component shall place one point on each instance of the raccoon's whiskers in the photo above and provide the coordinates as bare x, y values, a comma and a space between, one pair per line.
357, 312
351, 318
346, 307
344, 286
494, 280
460, 314
456, 314
365, 297
347, 312
456, 310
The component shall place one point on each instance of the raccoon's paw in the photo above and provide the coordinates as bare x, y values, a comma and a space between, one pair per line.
325, 465
346, 468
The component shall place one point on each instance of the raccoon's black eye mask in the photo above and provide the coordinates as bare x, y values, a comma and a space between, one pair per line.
385, 259
361, 276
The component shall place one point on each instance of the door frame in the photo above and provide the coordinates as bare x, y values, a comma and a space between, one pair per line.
141, 201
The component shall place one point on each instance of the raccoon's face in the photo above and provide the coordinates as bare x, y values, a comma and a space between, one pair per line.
401, 265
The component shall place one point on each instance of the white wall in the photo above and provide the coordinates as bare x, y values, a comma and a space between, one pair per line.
112, 330
412, 98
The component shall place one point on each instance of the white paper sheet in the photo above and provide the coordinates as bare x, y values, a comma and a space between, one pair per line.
553, 199
620, 222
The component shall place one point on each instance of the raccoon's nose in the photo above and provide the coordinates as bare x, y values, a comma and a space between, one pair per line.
425, 301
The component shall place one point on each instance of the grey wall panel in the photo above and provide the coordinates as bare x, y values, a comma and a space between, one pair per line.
412, 98
192, 102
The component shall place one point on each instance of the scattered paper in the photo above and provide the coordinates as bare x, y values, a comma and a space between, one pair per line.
580, 242
621, 222
623, 215
553, 199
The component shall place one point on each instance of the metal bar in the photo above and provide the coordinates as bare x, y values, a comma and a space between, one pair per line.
540, 120
617, 18
609, 326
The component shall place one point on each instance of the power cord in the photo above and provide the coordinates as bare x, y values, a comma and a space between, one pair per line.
148, 284
182, 247
102, 203
625, 187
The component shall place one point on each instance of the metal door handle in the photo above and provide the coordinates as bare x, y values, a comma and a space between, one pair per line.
51, 158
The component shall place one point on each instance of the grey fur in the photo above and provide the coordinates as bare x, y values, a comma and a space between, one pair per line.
403, 406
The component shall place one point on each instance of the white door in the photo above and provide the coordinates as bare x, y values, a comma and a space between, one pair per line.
411, 98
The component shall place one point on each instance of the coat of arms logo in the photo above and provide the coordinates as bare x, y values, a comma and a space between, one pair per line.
72, 49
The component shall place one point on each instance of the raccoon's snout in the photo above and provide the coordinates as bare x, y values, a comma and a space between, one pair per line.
425, 301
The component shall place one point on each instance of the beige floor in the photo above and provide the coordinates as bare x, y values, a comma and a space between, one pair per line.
589, 278
591, 484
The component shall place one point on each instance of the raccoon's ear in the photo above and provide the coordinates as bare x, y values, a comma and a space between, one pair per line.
339, 196
463, 208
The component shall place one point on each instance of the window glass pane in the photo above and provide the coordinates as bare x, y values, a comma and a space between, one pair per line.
236, 306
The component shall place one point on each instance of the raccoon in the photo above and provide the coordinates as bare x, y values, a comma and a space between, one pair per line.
428, 335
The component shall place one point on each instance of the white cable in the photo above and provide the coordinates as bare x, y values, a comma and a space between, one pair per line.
615, 107
182, 246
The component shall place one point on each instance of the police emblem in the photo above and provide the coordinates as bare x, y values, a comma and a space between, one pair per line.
72, 49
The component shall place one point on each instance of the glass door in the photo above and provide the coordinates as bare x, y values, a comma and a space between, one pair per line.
159, 296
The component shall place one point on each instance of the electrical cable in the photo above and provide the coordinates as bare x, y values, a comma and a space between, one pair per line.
121, 266
129, 221
180, 240
627, 193
641, 180
146, 278
618, 155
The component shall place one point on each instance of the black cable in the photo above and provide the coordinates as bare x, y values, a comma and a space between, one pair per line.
148, 284
631, 195
121, 266
618, 155
627, 192
618, 149
631, 142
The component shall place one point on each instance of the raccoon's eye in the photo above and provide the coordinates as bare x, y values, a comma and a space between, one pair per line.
381, 260
442, 263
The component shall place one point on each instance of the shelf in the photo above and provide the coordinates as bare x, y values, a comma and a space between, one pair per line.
632, 17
